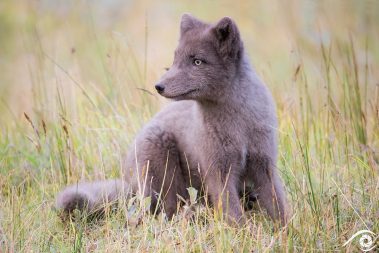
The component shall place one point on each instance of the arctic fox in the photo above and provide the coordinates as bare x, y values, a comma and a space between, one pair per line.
218, 135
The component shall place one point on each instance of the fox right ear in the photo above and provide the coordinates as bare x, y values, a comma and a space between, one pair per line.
188, 22
227, 37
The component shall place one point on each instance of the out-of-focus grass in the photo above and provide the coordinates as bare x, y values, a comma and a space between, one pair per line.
76, 84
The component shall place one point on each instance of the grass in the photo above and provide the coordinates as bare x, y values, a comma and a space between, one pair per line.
76, 86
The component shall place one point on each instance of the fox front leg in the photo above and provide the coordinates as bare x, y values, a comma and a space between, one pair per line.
269, 188
223, 192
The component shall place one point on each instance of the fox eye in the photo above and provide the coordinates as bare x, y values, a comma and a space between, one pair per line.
197, 62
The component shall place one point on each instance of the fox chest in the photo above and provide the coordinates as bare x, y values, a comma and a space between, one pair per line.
222, 150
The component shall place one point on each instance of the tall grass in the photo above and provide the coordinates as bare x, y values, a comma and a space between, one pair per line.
77, 87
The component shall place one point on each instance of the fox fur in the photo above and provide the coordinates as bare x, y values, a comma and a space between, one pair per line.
219, 135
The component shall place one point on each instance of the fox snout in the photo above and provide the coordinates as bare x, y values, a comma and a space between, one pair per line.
159, 87
170, 84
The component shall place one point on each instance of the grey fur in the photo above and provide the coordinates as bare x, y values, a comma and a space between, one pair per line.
91, 195
219, 135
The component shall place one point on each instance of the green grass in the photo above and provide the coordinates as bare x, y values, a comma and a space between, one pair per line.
77, 85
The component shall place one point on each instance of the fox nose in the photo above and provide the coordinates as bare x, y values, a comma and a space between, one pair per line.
159, 87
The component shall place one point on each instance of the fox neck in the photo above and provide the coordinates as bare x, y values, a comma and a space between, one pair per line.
235, 91
234, 102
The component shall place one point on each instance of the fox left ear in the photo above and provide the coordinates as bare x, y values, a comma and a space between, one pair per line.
188, 22
228, 38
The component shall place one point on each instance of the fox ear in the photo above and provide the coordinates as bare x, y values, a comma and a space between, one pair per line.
188, 22
227, 37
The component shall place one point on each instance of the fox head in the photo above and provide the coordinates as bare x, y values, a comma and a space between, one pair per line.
206, 61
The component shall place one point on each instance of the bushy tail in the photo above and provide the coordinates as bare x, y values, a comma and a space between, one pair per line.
91, 196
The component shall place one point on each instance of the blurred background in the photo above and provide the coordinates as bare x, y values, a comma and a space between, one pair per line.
114, 51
